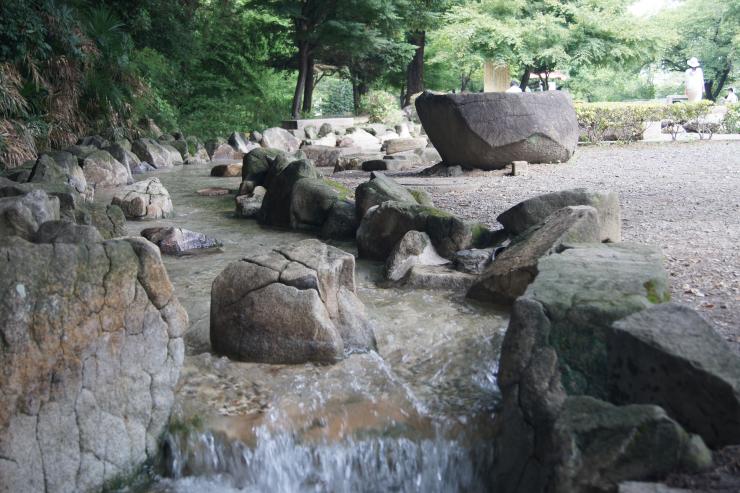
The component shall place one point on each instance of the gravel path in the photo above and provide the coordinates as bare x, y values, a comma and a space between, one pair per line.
682, 197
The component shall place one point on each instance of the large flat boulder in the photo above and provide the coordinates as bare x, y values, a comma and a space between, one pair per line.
92, 349
533, 211
291, 305
146, 199
508, 276
491, 130
66, 232
103, 170
670, 356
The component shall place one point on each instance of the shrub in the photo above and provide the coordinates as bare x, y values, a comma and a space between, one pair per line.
681, 114
381, 107
731, 122
333, 96
616, 121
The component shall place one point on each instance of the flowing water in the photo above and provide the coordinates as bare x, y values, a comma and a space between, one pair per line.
415, 416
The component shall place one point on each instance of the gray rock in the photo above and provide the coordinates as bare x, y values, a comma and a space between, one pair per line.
125, 157
513, 270
225, 152
81, 152
393, 146
103, 170
279, 182
473, 261
341, 222
327, 156
388, 165
429, 155
66, 232
94, 141
91, 355
146, 199
292, 305
279, 138
377, 190
22, 215
181, 147
325, 129
601, 445
415, 248
442, 169
310, 203
437, 277
384, 226
248, 206
490, 130
61, 167
670, 356
311, 132
644, 487
584, 290
361, 138
227, 170
533, 211
241, 143
176, 241
256, 165
374, 129
155, 153
108, 220
354, 161
211, 145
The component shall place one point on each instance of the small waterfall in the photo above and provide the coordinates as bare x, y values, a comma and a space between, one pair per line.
279, 463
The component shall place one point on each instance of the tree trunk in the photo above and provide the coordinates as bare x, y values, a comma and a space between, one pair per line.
525, 79
356, 96
464, 81
308, 91
301, 82
415, 70
720, 83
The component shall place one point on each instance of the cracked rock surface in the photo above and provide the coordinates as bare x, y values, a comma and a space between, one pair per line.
146, 199
291, 305
91, 352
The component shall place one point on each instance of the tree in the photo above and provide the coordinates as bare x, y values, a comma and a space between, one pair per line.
709, 31
344, 33
421, 15
539, 36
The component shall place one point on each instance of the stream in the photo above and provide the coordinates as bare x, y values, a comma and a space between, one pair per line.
415, 416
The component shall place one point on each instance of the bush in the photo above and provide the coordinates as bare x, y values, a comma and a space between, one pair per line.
681, 114
333, 97
381, 107
616, 121
731, 122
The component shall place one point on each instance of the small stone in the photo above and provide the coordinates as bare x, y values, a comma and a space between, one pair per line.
213, 192
519, 168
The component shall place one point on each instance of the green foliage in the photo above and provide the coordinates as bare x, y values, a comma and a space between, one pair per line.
618, 121
610, 84
731, 122
709, 31
681, 114
381, 107
333, 97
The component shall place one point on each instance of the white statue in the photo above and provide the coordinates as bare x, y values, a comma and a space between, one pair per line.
694, 80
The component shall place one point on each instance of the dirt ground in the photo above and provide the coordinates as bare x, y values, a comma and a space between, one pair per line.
682, 197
